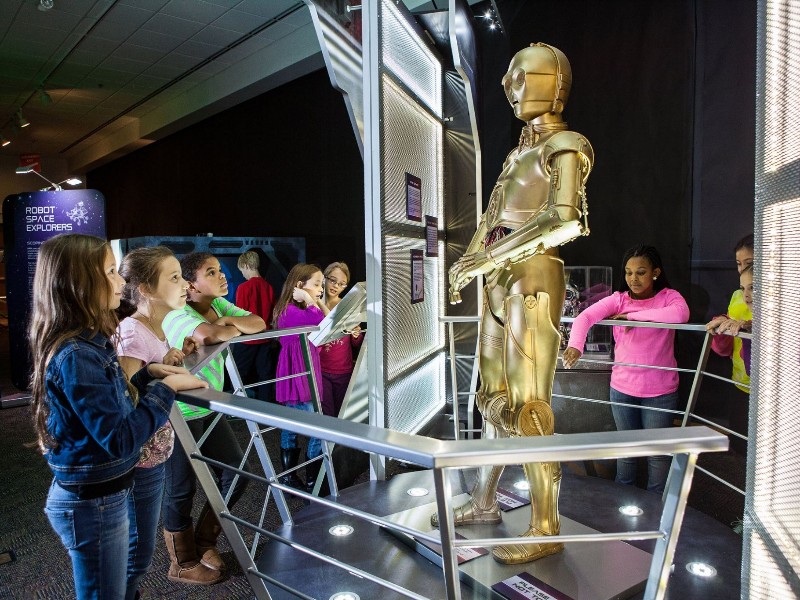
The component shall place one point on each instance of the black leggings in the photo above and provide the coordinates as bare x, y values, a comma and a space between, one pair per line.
180, 482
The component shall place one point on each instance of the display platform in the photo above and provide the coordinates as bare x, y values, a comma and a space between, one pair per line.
589, 571
591, 501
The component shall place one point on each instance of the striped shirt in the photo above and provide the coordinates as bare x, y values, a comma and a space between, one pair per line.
180, 324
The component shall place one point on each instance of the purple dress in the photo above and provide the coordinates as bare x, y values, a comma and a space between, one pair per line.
295, 391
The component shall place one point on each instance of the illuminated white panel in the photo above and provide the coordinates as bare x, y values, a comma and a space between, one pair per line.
782, 80
405, 54
413, 330
412, 143
412, 406
771, 560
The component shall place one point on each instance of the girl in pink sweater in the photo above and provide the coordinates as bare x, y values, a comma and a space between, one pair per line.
644, 295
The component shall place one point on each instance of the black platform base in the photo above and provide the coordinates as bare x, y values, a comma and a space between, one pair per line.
591, 501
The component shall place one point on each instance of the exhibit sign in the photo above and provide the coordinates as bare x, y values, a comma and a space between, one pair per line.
29, 220
417, 276
413, 198
527, 587
431, 236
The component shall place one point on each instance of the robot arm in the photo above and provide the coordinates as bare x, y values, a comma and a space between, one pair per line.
566, 215
457, 280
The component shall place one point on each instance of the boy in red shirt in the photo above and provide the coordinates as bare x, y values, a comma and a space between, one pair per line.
254, 359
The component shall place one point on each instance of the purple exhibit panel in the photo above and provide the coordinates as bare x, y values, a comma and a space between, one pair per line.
29, 220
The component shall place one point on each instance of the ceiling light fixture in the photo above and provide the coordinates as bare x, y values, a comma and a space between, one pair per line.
4, 141
44, 97
45, 5
32, 169
21, 120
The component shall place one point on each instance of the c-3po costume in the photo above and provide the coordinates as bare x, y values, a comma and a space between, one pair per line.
538, 203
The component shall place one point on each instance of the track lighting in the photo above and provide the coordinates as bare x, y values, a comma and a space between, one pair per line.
4, 141
32, 169
44, 97
21, 120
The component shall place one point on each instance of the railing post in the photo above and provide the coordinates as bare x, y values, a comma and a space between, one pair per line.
676, 492
217, 503
454, 379
698, 376
446, 534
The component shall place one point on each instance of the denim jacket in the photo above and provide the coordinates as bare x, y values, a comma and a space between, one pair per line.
92, 418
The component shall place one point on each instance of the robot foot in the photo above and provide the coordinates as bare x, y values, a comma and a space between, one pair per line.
523, 553
471, 514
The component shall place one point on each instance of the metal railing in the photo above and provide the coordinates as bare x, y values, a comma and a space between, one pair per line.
688, 416
437, 455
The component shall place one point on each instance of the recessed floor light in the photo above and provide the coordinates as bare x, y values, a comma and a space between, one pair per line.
630, 510
417, 491
345, 596
340, 530
522, 486
701, 569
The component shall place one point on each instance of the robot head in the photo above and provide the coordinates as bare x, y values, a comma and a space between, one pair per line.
537, 81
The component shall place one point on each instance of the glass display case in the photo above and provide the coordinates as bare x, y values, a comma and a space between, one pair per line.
585, 286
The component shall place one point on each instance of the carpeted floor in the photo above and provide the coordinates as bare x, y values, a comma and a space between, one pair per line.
42, 567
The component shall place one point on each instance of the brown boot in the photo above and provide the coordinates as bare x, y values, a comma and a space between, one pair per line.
205, 539
184, 565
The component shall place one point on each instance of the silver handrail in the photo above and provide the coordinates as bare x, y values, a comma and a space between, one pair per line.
699, 372
440, 455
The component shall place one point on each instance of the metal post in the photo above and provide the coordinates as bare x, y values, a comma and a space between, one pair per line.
454, 379
698, 376
447, 532
677, 492
370, 40
313, 387
217, 503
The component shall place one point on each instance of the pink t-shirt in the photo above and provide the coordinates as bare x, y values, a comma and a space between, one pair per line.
136, 340
638, 345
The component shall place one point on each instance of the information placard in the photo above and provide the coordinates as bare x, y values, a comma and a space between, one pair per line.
413, 197
509, 500
527, 587
431, 236
28, 221
417, 276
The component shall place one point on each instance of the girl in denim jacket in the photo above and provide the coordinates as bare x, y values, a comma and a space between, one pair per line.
90, 422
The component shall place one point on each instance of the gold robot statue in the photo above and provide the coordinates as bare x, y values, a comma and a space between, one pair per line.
538, 204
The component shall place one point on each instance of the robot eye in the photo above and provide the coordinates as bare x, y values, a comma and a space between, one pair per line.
519, 77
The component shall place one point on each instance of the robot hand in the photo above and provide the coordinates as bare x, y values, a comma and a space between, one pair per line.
464, 270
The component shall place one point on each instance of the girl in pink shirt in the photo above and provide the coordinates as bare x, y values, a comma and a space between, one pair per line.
336, 357
644, 295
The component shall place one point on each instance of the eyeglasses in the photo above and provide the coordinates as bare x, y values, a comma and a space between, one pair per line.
336, 283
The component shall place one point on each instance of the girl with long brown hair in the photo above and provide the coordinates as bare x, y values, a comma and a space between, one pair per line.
300, 303
90, 422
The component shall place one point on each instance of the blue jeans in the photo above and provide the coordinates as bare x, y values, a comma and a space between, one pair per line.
635, 418
144, 509
289, 438
95, 533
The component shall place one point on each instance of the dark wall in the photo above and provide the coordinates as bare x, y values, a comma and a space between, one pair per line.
663, 90
651, 80
283, 164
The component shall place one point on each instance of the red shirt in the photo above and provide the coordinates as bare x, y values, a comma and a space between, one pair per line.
256, 295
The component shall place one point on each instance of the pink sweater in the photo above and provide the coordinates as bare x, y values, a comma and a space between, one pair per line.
638, 345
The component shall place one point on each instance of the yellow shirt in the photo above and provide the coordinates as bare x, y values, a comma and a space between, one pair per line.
737, 309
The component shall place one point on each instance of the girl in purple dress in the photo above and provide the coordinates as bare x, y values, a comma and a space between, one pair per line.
300, 304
